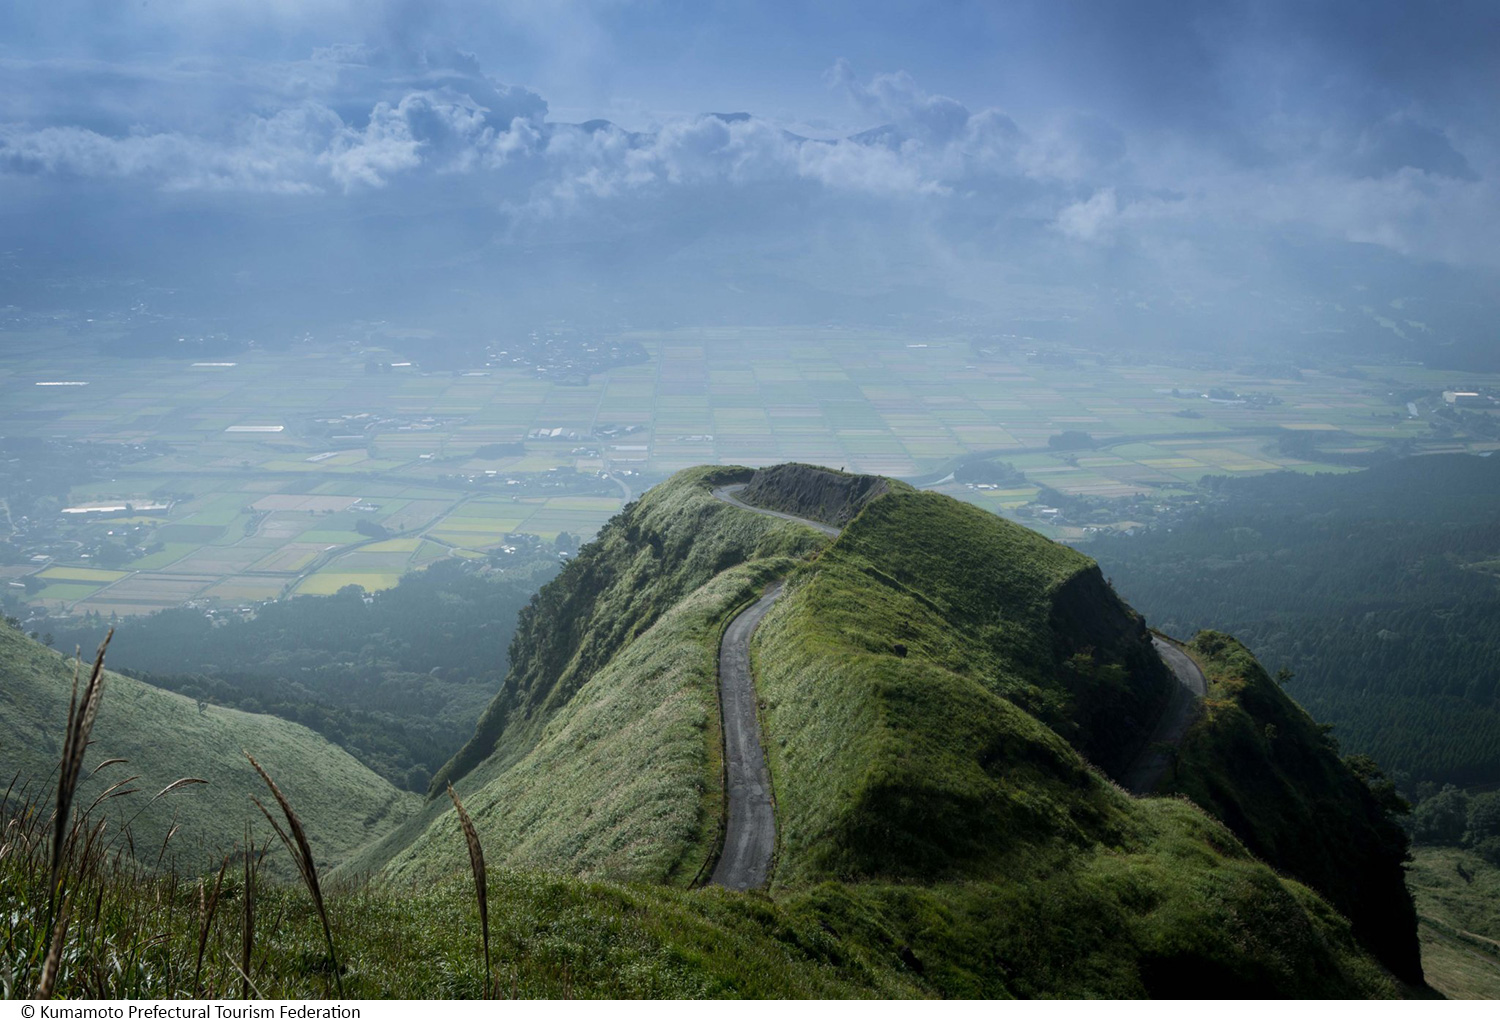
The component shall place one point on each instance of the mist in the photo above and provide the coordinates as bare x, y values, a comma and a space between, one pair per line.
1262, 178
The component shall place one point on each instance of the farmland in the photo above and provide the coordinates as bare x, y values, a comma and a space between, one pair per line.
302, 471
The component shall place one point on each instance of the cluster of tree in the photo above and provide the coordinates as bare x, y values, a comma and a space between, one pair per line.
396, 678
989, 472
1071, 439
1378, 590
36, 475
1451, 817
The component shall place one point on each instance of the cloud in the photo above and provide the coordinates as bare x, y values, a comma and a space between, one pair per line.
1092, 219
384, 137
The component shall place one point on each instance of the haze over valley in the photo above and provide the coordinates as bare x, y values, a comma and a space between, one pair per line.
993, 500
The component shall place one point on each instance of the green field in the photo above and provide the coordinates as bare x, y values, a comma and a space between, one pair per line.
1458, 902
251, 505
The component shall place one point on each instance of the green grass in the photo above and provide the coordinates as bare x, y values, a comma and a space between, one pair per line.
169, 554
675, 540
81, 574
940, 832
1256, 760
624, 782
66, 591
165, 737
924, 814
1458, 901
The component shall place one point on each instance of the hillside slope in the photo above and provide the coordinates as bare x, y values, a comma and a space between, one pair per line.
165, 737
944, 696
1261, 764
600, 756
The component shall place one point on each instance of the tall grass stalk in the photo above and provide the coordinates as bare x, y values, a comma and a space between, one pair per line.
302, 856
208, 903
81, 716
476, 862
247, 931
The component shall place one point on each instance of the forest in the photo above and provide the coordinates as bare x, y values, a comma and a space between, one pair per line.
396, 678
1376, 591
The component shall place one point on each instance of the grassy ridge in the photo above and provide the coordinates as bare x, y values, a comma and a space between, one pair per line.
624, 781
939, 835
165, 737
658, 550
1260, 763
605, 762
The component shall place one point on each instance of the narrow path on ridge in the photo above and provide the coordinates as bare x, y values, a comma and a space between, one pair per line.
750, 832
729, 494
1151, 764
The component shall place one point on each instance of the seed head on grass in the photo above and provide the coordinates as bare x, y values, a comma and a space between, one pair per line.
81, 716
302, 856
476, 863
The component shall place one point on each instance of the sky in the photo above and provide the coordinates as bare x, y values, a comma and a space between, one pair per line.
1267, 172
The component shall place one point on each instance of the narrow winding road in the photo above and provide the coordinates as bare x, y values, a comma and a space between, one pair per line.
1191, 687
729, 494
750, 831
750, 835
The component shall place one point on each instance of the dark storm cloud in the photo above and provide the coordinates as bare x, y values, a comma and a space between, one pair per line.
1154, 141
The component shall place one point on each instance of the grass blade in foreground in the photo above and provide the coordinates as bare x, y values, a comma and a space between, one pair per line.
476, 861
301, 856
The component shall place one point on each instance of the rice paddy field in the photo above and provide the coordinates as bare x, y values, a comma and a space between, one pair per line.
265, 501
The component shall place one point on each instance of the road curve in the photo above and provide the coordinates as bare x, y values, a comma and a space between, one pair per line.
1190, 689
750, 835
728, 494
750, 832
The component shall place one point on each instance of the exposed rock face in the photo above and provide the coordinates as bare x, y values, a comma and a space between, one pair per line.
818, 493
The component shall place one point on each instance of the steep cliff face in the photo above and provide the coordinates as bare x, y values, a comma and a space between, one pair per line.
1259, 763
832, 497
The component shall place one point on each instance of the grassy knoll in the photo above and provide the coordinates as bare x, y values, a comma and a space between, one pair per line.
165, 737
932, 685
929, 680
1458, 902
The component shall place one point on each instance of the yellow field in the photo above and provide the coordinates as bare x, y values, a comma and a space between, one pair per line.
327, 584
82, 574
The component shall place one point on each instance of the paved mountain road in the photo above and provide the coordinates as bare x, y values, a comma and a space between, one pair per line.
1191, 687
728, 495
750, 833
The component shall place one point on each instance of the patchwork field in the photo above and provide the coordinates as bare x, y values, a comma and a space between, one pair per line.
265, 514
